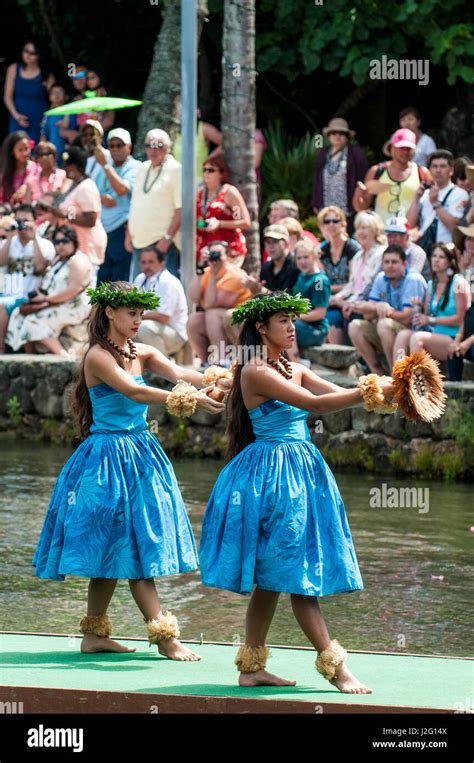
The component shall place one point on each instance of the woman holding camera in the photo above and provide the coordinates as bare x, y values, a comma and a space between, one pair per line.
61, 300
221, 212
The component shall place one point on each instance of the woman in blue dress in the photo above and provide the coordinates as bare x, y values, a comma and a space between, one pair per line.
116, 510
26, 91
275, 518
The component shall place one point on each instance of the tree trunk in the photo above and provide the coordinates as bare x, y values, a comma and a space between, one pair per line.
238, 111
162, 94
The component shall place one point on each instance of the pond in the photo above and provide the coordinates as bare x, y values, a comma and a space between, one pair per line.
415, 564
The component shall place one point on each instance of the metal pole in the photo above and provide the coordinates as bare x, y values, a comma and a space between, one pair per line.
188, 138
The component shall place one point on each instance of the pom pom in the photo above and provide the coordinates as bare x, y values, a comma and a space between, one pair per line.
213, 373
249, 659
328, 660
182, 401
419, 387
164, 627
374, 400
99, 625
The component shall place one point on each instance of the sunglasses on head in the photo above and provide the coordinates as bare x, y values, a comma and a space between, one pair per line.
157, 144
334, 220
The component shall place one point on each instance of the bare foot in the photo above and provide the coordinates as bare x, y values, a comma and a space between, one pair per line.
263, 678
91, 643
347, 683
174, 650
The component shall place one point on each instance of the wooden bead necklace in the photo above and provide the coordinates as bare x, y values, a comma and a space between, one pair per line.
129, 355
282, 365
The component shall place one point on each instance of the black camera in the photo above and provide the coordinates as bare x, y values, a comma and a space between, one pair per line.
214, 255
35, 292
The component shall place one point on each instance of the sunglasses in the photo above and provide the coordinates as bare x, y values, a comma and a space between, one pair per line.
44, 153
210, 169
58, 241
30, 52
159, 144
334, 220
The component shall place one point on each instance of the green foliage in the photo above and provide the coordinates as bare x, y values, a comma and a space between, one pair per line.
135, 298
287, 169
14, 410
459, 424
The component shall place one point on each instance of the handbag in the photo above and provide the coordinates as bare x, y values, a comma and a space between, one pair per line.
428, 239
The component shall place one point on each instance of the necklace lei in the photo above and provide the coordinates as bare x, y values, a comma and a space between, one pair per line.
206, 201
282, 365
129, 355
147, 177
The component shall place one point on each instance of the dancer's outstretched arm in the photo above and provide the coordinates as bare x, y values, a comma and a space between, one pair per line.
160, 365
316, 384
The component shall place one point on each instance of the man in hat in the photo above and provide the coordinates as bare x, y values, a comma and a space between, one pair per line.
397, 229
393, 185
338, 169
90, 139
279, 272
115, 183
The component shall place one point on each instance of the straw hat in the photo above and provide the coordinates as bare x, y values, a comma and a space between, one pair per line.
338, 125
460, 232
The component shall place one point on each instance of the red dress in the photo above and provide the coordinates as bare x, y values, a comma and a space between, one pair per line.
218, 208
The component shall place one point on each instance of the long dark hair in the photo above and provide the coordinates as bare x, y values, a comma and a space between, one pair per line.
97, 329
449, 251
8, 161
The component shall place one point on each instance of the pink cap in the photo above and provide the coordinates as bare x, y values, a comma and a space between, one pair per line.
403, 138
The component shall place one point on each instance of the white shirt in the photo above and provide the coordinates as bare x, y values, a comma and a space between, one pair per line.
156, 196
455, 206
20, 260
172, 298
424, 148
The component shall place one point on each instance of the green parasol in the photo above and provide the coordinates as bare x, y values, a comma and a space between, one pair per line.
104, 103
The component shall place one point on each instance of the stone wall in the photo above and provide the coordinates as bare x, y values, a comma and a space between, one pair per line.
34, 403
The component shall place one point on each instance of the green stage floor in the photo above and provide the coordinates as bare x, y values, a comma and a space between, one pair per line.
398, 681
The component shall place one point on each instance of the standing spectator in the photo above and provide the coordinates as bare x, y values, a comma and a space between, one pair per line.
410, 119
216, 290
25, 94
165, 327
155, 208
437, 210
51, 125
393, 184
80, 205
221, 211
445, 307
90, 138
389, 309
460, 176
115, 184
396, 229
95, 89
26, 255
337, 252
49, 177
279, 273
313, 283
338, 168
17, 170
60, 302
366, 263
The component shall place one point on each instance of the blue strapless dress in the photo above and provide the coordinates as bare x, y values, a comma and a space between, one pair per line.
275, 517
116, 510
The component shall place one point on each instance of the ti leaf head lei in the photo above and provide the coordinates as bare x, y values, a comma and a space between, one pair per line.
261, 307
136, 298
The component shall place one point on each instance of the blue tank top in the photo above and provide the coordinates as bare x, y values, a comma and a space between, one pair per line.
447, 311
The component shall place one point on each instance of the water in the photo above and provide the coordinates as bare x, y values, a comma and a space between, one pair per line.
402, 553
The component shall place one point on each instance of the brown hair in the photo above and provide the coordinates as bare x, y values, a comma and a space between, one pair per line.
449, 251
97, 329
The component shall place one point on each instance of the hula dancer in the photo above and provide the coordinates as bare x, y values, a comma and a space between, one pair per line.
275, 517
116, 510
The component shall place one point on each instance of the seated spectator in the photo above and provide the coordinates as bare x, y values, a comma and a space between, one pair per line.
51, 125
409, 119
16, 169
365, 264
460, 176
445, 306
80, 205
295, 232
279, 273
396, 229
165, 327
463, 238
5, 209
281, 209
24, 256
388, 310
46, 221
313, 283
460, 350
60, 301
216, 290
48, 178
393, 185
337, 251
338, 168
437, 210
115, 184
221, 211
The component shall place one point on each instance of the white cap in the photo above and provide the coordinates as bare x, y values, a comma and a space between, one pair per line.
396, 225
96, 125
121, 134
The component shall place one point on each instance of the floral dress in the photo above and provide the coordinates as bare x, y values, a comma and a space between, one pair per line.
218, 208
50, 322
